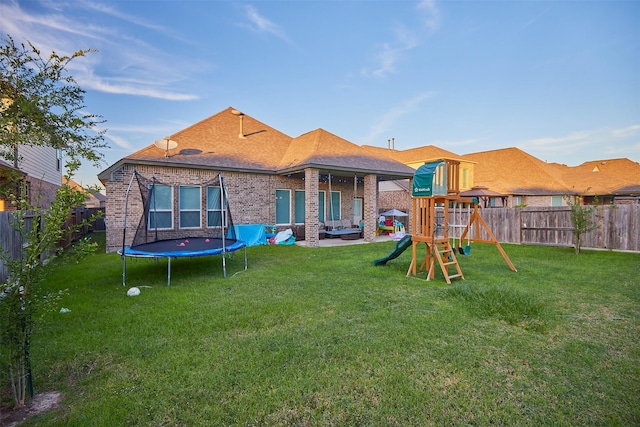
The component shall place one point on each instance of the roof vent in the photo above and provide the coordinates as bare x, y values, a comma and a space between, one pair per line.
241, 115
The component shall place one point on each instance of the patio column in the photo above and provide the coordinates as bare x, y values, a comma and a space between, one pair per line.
311, 177
370, 207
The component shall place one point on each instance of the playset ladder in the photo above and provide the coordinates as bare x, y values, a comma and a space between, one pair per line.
438, 250
446, 257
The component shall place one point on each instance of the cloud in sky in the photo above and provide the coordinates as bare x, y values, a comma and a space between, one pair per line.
390, 117
260, 24
406, 39
577, 144
626, 132
52, 29
430, 14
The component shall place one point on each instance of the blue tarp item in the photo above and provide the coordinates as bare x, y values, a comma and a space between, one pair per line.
251, 234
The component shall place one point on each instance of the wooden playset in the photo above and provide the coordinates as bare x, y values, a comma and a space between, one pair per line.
435, 188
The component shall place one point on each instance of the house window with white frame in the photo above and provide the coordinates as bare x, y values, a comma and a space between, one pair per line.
189, 205
161, 207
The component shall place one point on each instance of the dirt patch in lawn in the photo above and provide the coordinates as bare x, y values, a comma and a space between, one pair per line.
41, 403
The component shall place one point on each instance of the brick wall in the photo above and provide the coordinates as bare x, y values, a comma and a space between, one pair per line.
41, 193
400, 200
370, 207
251, 198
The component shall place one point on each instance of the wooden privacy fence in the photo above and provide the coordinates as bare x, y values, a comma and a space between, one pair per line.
618, 226
11, 241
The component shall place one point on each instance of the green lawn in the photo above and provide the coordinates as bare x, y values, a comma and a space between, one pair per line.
317, 337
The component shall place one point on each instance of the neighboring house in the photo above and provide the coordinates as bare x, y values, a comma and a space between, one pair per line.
526, 180
8, 177
94, 200
510, 177
42, 170
271, 178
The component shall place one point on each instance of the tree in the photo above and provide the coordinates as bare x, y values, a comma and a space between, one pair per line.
582, 218
42, 105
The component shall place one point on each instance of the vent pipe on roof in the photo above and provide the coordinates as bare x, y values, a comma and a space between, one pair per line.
238, 113
391, 144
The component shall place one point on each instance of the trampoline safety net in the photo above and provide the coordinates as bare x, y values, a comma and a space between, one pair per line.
156, 222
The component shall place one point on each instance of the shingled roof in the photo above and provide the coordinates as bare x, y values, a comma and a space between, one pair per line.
414, 155
324, 150
230, 140
512, 171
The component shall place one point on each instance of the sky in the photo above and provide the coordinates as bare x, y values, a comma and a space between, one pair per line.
557, 79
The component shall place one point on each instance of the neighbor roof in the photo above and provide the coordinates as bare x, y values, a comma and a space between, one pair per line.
414, 155
512, 171
230, 140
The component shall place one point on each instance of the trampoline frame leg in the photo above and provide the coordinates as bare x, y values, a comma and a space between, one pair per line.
168, 271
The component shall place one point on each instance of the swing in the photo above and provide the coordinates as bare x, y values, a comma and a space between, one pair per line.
460, 248
467, 250
457, 227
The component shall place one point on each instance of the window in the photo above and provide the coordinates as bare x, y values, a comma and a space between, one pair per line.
556, 200
283, 207
299, 206
161, 207
189, 206
214, 207
58, 159
334, 205
321, 207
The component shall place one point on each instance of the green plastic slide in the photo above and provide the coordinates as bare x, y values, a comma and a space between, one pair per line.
401, 246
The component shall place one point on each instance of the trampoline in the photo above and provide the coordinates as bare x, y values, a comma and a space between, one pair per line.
151, 242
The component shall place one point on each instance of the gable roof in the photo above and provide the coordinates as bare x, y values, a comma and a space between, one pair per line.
512, 171
230, 140
324, 150
587, 179
415, 155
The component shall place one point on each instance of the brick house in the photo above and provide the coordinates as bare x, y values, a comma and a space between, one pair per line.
510, 177
271, 178
526, 180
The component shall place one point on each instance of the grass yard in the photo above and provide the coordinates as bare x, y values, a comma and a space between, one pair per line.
321, 337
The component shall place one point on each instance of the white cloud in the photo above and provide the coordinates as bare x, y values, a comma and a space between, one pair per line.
580, 146
430, 14
390, 117
119, 141
406, 39
144, 71
260, 24
626, 132
561, 141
